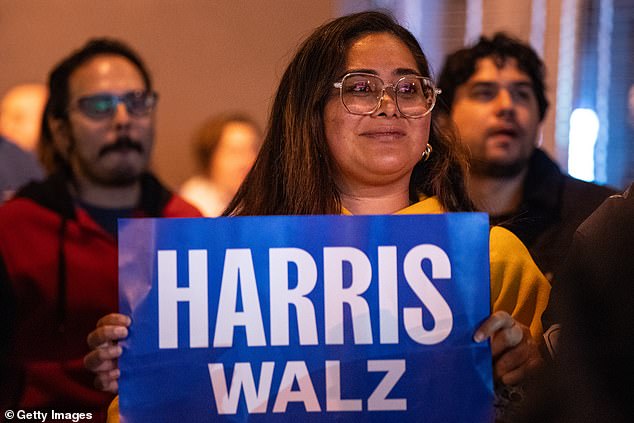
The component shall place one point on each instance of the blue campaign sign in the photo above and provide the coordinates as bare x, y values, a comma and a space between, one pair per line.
298, 318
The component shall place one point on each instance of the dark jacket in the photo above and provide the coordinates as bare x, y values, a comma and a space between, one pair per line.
553, 206
590, 379
58, 276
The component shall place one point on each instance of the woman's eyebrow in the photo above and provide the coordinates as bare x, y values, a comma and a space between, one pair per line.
363, 70
395, 72
406, 71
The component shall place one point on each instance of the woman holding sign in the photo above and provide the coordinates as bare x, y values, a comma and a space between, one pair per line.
351, 131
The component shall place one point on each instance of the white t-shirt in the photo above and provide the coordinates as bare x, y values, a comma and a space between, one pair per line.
202, 193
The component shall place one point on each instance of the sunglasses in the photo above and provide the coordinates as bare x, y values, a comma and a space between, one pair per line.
102, 106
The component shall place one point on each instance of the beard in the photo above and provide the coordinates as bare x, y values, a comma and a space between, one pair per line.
497, 170
119, 177
123, 174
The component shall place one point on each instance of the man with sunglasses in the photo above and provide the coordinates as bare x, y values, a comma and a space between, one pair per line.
58, 255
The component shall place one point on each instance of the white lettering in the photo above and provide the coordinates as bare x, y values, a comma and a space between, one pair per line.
169, 294
333, 390
242, 380
428, 294
296, 370
388, 295
282, 296
239, 304
238, 273
378, 400
335, 295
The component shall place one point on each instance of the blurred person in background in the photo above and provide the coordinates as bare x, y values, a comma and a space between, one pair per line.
496, 95
58, 237
17, 168
225, 148
21, 111
20, 119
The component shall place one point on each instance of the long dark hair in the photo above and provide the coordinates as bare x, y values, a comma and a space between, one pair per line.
294, 172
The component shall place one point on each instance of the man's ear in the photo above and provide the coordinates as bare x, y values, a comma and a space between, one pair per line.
60, 131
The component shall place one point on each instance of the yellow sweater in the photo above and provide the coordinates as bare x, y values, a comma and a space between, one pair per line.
517, 285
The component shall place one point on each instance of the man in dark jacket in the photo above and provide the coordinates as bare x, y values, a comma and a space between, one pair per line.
496, 97
494, 93
590, 379
58, 251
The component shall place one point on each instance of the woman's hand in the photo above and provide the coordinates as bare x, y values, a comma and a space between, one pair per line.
102, 360
515, 353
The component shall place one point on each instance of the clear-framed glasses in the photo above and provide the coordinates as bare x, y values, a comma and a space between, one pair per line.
362, 93
104, 105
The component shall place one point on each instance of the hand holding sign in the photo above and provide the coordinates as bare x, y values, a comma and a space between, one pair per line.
102, 360
515, 353
383, 360
384, 277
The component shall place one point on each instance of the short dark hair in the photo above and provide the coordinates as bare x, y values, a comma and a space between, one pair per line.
59, 91
294, 172
461, 65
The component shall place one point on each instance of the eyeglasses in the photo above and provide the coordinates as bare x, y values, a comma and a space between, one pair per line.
102, 106
362, 93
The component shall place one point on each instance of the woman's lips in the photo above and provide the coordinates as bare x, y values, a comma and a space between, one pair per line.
390, 133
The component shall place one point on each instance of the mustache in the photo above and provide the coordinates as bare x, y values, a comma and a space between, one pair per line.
122, 143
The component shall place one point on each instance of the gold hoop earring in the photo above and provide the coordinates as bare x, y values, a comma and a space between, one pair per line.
427, 152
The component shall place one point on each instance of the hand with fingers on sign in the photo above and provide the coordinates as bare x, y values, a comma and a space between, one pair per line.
105, 351
515, 354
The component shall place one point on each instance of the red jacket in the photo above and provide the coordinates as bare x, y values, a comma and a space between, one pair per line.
58, 276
